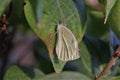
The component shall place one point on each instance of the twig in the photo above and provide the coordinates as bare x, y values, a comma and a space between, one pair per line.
110, 64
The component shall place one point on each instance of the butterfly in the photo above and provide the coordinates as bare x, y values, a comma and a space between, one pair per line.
67, 46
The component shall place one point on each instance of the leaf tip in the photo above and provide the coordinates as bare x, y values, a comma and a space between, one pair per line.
105, 20
58, 72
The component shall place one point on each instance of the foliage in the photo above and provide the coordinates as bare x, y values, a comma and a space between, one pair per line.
86, 23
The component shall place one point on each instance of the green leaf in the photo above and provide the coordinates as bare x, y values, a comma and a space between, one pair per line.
80, 5
95, 54
3, 5
114, 18
22, 73
77, 65
118, 71
17, 12
53, 12
44, 60
110, 78
109, 6
66, 76
96, 28
116, 78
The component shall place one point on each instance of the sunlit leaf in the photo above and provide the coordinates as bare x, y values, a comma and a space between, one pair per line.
53, 12
109, 6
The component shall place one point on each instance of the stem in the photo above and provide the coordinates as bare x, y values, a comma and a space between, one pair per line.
110, 64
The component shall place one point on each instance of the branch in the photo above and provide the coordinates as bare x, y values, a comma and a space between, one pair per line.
110, 64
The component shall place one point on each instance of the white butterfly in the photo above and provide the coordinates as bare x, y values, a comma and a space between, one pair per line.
67, 45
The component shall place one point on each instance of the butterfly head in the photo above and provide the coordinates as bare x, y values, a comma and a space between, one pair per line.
61, 24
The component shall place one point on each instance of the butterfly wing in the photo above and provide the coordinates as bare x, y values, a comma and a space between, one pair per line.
67, 45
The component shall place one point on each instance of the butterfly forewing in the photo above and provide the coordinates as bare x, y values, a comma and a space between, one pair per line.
67, 45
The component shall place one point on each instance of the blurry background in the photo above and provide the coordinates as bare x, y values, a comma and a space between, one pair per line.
20, 46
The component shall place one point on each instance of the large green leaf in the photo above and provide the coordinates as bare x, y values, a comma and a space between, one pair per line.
96, 28
114, 18
22, 73
108, 7
53, 12
3, 5
75, 65
66, 76
95, 54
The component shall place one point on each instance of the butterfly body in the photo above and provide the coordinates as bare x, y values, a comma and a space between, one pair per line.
67, 45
